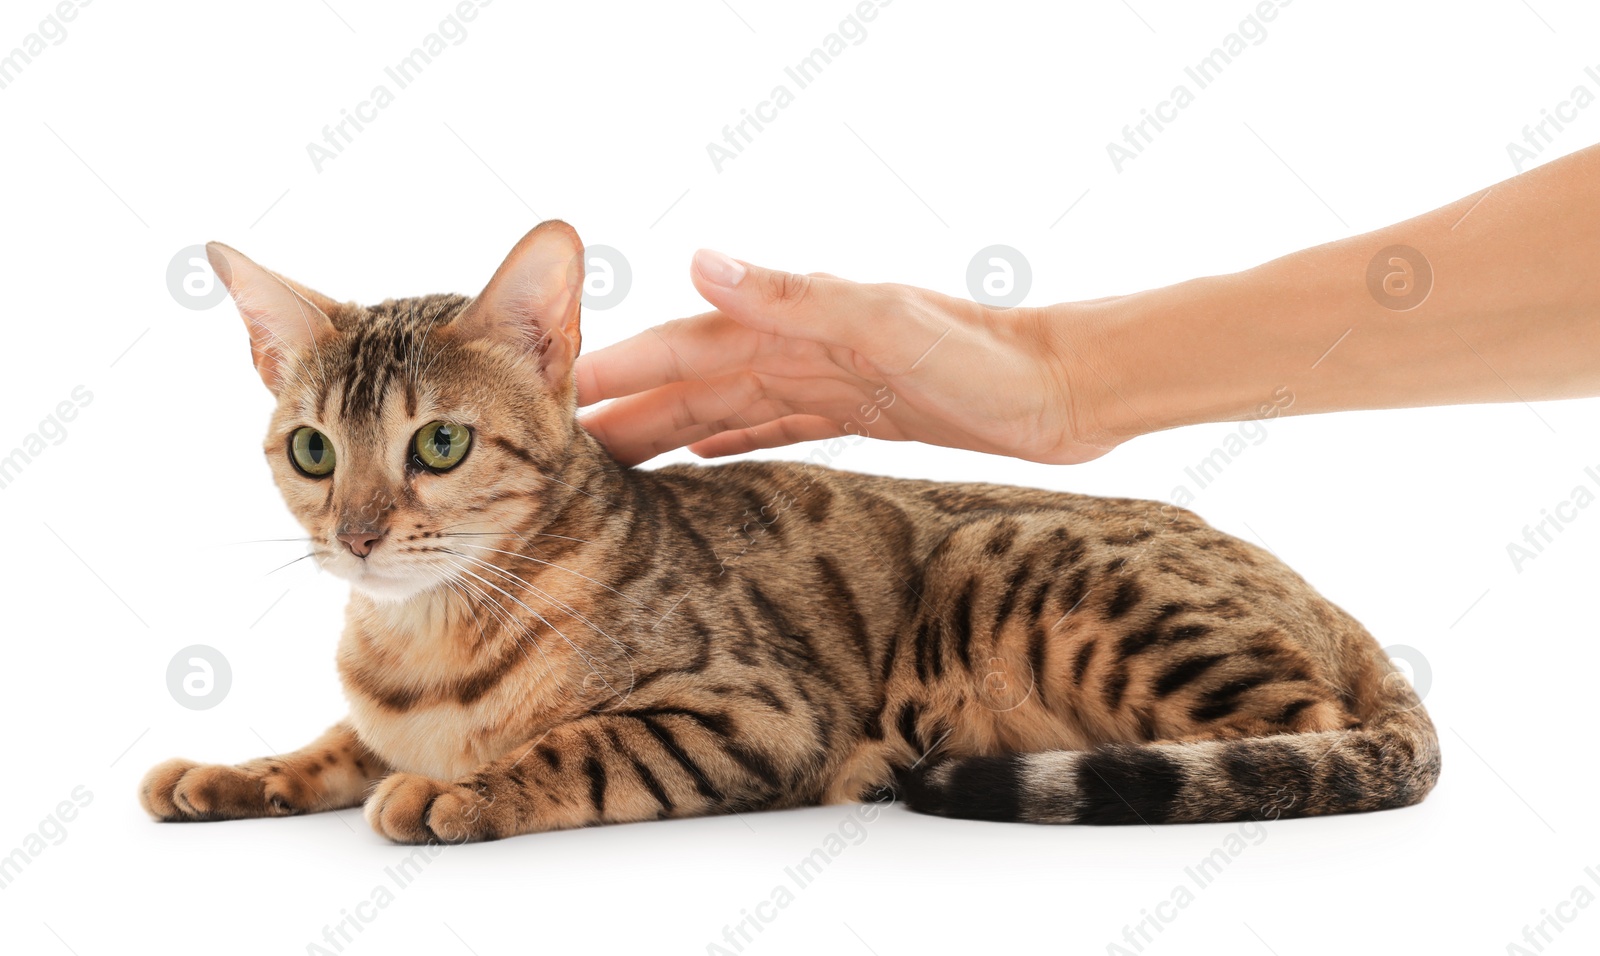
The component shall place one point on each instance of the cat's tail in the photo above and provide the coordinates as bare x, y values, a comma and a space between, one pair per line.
1391, 760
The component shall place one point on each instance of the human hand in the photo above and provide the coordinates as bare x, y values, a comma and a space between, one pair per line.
788, 358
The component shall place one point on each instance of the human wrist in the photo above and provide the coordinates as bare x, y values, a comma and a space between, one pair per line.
1137, 363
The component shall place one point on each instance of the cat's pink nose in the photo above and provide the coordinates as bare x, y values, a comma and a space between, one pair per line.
360, 543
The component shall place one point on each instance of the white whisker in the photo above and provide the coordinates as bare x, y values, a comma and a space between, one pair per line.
540, 592
552, 564
545, 621
508, 620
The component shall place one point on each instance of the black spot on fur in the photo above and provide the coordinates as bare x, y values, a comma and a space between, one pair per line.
648, 778
551, 756
1041, 594
1116, 686
872, 724
1187, 632
1343, 783
1271, 776
755, 763
1005, 535
597, 784
976, 788
766, 695
1080, 661
1036, 665
1076, 590
1127, 538
1127, 597
961, 624
1122, 785
1138, 641
1292, 710
670, 743
1185, 671
1007, 602
1224, 701
907, 725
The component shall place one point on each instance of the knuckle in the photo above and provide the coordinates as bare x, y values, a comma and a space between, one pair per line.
906, 300
788, 287
682, 413
753, 386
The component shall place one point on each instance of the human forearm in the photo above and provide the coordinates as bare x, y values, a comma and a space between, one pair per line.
1513, 312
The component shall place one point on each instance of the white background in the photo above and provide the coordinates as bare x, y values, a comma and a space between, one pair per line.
952, 126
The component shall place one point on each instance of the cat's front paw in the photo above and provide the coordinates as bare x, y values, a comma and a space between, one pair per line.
409, 808
180, 790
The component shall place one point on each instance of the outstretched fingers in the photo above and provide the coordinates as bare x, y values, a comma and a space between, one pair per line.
638, 427
789, 430
709, 344
867, 318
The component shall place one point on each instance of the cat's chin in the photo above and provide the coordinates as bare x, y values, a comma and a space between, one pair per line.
389, 588
382, 580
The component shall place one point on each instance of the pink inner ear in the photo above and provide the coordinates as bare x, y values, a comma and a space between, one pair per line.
283, 318
533, 301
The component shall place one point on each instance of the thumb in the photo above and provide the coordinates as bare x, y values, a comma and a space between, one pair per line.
818, 308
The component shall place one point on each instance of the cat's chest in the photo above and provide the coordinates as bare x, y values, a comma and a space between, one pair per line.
429, 705
441, 741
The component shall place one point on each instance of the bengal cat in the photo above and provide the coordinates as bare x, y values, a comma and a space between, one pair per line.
540, 638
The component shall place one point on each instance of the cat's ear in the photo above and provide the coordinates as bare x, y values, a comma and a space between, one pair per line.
284, 317
533, 300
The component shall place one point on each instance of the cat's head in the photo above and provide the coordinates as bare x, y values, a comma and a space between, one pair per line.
413, 437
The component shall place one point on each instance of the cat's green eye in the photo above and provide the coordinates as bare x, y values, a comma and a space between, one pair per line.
442, 445
311, 452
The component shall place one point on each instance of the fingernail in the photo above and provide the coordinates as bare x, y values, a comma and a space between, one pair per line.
718, 269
